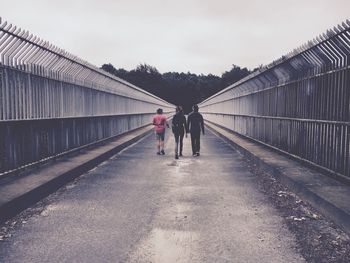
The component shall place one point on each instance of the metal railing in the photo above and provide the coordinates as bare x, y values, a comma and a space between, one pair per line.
52, 102
298, 104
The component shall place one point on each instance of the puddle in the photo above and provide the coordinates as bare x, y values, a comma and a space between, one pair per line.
186, 162
167, 246
70, 186
173, 163
183, 209
51, 208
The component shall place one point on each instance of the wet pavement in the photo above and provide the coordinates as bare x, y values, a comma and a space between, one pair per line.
140, 207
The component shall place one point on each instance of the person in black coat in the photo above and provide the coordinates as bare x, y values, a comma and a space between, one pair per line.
179, 129
195, 124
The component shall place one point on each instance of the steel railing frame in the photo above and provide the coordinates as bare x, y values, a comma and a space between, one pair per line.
300, 101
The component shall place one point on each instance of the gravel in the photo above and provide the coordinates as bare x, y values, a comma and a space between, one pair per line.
319, 240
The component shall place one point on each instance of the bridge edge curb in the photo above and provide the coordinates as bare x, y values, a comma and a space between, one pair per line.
328, 209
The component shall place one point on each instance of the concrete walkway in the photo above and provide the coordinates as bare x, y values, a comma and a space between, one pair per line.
24, 190
329, 196
139, 207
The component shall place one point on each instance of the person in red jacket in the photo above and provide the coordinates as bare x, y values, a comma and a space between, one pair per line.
160, 122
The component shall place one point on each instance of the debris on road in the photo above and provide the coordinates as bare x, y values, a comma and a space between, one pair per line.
319, 240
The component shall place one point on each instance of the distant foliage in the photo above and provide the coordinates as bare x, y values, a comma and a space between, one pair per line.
184, 89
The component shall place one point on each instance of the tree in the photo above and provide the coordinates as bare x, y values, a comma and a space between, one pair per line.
234, 75
185, 89
109, 68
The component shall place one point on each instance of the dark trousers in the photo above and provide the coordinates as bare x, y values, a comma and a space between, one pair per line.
179, 137
195, 140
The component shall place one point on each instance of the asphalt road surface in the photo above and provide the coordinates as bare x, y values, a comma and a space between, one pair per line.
140, 207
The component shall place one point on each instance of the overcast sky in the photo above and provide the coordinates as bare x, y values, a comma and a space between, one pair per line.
200, 36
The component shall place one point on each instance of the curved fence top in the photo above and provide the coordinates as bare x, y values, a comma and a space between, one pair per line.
327, 52
21, 50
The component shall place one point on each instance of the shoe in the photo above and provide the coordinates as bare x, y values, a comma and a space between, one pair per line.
176, 156
180, 155
197, 154
194, 154
162, 152
158, 153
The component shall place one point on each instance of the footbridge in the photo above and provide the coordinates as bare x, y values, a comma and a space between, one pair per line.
80, 180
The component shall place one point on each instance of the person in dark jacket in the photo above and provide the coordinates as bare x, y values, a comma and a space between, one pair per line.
179, 128
195, 124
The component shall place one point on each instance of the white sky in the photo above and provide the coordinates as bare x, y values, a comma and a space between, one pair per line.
200, 36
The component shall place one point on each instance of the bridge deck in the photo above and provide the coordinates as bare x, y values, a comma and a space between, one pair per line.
139, 207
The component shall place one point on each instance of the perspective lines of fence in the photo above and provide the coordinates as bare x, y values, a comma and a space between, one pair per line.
298, 104
52, 102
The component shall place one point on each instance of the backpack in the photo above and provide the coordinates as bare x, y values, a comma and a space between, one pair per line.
176, 123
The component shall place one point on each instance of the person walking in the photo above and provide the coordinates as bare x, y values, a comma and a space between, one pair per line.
160, 122
195, 124
179, 128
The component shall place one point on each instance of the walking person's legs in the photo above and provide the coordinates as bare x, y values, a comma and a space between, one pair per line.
198, 143
181, 142
195, 137
193, 143
176, 136
162, 135
158, 143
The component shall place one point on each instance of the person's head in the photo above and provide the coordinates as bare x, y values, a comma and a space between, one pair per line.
195, 108
179, 109
160, 111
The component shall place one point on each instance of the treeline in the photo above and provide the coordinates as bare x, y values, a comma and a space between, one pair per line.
184, 89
